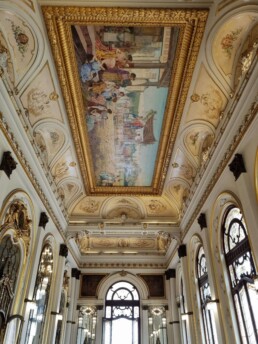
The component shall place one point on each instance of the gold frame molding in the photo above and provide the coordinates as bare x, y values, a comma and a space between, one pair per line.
256, 174
191, 23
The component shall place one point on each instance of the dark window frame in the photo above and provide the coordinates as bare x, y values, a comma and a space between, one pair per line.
240, 251
120, 304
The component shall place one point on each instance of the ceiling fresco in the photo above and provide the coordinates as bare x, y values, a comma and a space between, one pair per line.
123, 152
124, 81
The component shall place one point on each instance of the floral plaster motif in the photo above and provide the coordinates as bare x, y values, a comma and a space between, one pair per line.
198, 142
65, 167
40, 98
247, 54
5, 58
20, 43
227, 42
156, 206
49, 140
179, 192
69, 190
90, 205
207, 101
183, 168
229, 39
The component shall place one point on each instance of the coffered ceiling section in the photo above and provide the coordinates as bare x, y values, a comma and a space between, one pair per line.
124, 74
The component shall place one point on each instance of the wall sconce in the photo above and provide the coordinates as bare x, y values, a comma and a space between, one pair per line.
211, 304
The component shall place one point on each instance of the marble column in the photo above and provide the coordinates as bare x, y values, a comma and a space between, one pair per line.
75, 315
70, 322
59, 276
145, 325
182, 253
100, 315
174, 323
211, 275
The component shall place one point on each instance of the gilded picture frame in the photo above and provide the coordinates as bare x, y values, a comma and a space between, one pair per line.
83, 41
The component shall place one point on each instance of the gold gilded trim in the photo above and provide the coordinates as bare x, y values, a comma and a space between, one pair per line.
191, 24
256, 174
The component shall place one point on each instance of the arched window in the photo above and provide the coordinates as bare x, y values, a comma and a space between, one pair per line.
40, 297
205, 298
122, 315
10, 258
242, 273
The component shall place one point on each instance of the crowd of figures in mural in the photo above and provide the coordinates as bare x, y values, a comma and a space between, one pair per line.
124, 76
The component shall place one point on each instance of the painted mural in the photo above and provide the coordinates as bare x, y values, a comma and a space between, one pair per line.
124, 74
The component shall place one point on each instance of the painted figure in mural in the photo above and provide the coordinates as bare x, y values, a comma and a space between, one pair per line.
89, 70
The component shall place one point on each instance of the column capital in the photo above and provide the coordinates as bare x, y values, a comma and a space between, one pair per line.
8, 164
170, 273
182, 251
202, 220
76, 273
99, 307
63, 250
237, 166
43, 219
145, 307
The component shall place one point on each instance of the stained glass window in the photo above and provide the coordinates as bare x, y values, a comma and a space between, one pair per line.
122, 315
242, 273
205, 298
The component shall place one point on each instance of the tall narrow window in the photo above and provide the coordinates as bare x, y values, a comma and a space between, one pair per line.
183, 312
10, 257
242, 272
122, 315
205, 297
41, 295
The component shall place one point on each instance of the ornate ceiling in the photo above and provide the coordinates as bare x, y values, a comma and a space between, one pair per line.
125, 177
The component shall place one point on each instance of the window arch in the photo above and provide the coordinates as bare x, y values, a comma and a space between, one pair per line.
242, 273
122, 314
205, 297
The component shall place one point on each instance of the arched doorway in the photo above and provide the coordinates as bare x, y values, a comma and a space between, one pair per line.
122, 314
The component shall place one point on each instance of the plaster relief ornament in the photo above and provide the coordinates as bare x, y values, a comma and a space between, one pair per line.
3, 57
62, 168
212, 102
163, 241
82, 239
38, 102
21, 38
90, 205
156, 206
227, 42
187, 172
17, 217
